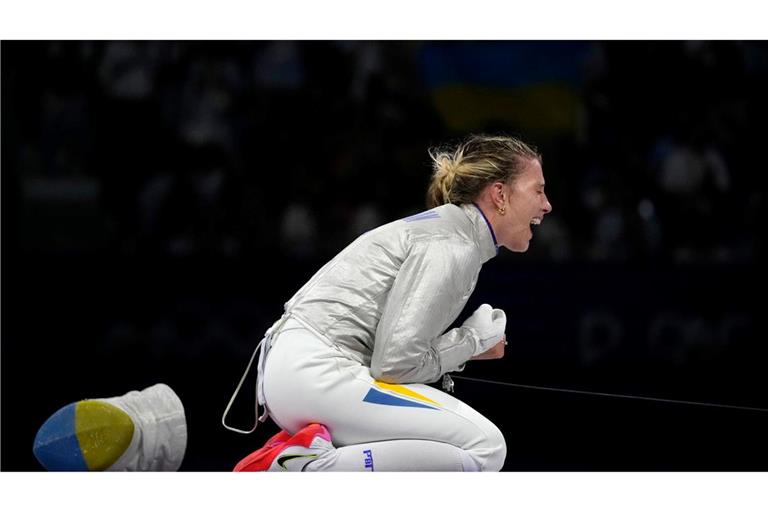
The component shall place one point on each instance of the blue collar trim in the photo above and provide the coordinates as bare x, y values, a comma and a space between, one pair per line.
493, 235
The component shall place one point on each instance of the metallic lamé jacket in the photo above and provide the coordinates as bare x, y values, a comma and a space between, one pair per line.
387, 298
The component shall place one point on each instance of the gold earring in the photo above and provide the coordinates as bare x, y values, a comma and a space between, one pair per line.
501, 210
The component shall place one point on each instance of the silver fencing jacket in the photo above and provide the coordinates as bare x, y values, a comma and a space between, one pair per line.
387, 299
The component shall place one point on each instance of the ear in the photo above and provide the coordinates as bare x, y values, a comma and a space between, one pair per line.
499, 193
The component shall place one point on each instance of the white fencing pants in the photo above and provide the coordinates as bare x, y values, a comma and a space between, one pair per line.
375, 426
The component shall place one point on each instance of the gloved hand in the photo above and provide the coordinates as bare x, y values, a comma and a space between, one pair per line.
489, 324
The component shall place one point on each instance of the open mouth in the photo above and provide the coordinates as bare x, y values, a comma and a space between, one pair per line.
534, 223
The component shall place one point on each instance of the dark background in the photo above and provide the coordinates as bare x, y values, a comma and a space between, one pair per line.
162, 200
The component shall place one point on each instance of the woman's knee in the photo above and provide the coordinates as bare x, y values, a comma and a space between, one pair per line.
491, 452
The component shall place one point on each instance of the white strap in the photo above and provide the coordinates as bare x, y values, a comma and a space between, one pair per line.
237, 390
264, 345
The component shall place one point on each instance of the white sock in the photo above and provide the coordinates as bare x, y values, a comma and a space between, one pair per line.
396, 455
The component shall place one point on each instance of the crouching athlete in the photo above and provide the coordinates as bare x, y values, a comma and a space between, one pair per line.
343, 372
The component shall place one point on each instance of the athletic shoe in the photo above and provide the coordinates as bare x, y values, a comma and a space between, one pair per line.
279, 438
139, 431
289, 454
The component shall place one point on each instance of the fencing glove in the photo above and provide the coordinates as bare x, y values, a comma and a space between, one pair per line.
489, 324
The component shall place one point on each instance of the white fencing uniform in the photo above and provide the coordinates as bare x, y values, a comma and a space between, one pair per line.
358, 341
376, 426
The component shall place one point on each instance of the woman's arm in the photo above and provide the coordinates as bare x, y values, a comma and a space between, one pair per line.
429, 292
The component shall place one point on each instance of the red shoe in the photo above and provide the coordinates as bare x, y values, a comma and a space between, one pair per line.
276, 439
289, 453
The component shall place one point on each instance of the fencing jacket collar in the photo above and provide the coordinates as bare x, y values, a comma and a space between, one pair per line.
483, 231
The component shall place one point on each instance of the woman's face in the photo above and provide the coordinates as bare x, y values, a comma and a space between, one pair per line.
525, 203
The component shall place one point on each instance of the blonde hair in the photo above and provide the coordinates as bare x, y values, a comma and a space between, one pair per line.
461, 173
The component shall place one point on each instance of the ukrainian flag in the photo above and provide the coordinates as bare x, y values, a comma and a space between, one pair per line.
533, 85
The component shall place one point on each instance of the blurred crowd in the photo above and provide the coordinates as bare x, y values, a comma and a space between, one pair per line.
227, 149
